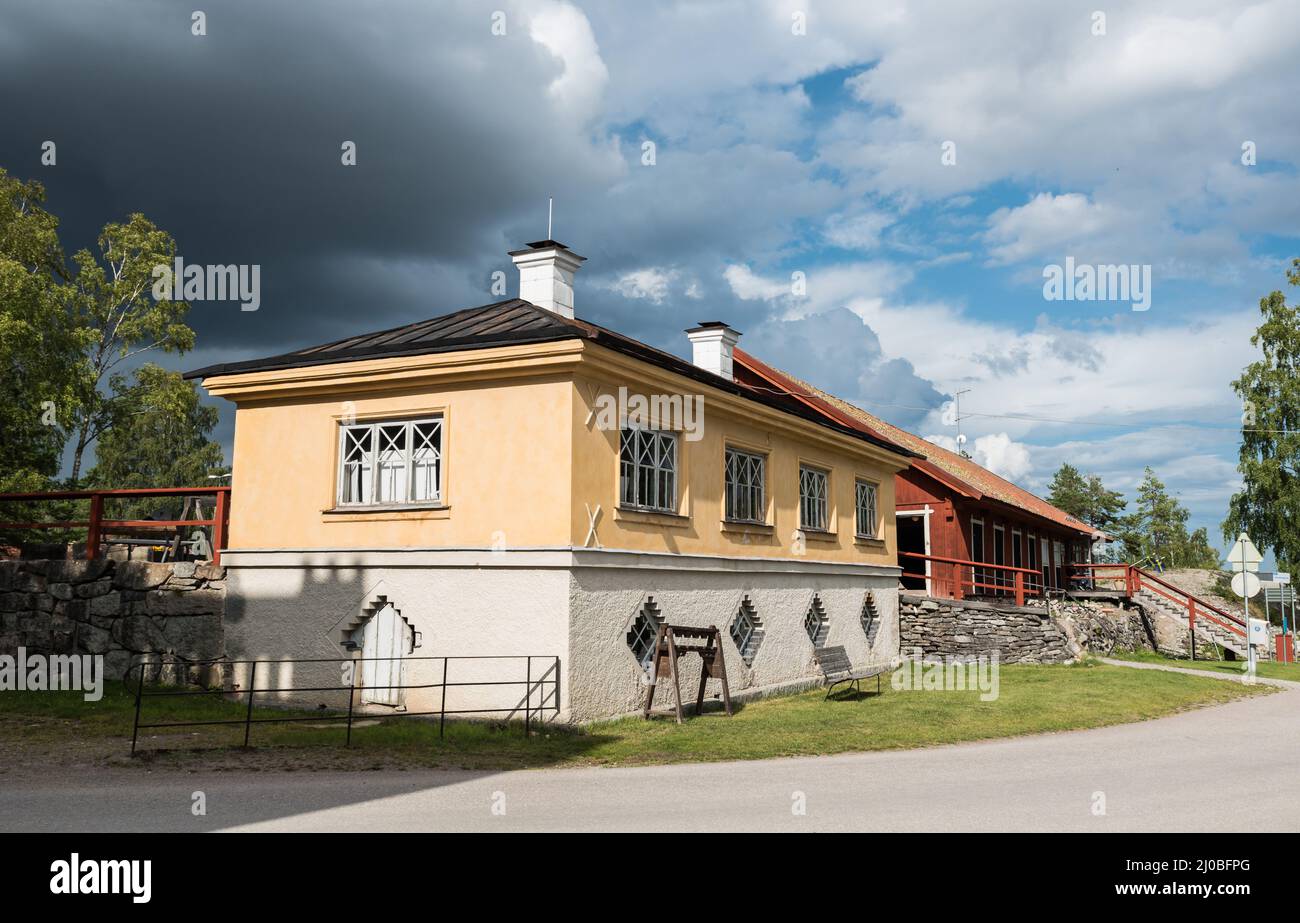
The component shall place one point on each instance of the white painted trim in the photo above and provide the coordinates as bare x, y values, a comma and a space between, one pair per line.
541, 558
925, 514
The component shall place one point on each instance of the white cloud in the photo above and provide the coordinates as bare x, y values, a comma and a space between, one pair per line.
856, 232
747, 285
997, 452
1046, 223
564, 31
650, 284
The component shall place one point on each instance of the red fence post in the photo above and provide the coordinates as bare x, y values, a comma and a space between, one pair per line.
220, 522
93, 527
1020, 588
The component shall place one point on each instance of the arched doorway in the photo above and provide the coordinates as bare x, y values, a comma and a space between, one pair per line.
384, 639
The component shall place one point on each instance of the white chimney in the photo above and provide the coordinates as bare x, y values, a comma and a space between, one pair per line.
546, 270
712, 343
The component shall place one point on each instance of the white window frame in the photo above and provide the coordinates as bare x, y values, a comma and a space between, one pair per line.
410, 467
747, 641
752, 490
977, 574
650, 449
872, 509
808, 476
643, 632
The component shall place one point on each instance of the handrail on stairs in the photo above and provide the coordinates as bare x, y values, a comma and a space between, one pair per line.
1189, 601
1136, 578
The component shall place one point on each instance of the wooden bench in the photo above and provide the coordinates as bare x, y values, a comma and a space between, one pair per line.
836, 668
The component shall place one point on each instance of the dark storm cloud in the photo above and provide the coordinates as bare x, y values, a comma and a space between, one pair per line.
231, 141
839, 353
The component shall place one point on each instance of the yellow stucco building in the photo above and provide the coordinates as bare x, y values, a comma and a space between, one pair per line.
511, 480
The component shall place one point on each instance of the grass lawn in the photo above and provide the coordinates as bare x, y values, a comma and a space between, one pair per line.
1266, 668
38, 730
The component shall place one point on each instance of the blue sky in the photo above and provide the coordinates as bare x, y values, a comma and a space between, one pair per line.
778, 150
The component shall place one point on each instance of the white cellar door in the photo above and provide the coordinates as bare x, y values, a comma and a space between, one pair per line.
385, 635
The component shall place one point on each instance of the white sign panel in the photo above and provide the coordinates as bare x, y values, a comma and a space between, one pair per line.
1280, 577
1259, 635
1245, 584
1244, 555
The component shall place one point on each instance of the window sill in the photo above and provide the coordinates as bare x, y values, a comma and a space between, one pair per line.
386, 511
820, 535
737, 527
867, 541
651, 517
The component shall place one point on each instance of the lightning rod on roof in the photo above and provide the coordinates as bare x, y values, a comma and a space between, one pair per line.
550, 212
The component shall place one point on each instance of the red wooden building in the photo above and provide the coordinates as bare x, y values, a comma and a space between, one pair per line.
952, 510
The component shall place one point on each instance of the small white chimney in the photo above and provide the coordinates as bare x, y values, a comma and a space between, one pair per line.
546, 270
712, 343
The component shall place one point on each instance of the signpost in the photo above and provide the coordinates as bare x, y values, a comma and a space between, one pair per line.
1282, 594
1244, 558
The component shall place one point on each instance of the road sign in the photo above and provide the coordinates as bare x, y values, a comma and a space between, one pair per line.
1279, 577
1245, 584
1244, 555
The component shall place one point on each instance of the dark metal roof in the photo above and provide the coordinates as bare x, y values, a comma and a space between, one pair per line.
507, 323
498, 324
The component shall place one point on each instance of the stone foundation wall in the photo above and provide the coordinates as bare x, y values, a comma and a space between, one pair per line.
121, 609
1101, 629
967, 629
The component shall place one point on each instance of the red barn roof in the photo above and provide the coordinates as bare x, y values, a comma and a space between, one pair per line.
957, 472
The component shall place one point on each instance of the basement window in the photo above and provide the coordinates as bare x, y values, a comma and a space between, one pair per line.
870, 617
816, 623
747, 631
648, 470
641, 636
391, 463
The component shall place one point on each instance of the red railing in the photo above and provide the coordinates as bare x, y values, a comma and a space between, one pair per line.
97, 527
1016, 583
1117, 577
1129, 580
1195, 606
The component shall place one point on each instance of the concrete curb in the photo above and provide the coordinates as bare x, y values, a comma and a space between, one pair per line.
1261, 680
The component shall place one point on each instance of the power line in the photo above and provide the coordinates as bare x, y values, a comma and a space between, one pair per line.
1030, 418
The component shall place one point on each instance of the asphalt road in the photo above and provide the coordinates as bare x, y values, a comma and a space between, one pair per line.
1211, 769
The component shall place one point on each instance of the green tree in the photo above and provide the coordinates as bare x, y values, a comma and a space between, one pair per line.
38, 353
117, 318
159, 438
1068, 491
1198, 552
1085, 497
1268, 508
1157, 528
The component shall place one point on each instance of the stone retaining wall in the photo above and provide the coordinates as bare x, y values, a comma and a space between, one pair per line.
121, 609
967, 629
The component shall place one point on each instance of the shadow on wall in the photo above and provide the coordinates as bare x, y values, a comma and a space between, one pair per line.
322, 617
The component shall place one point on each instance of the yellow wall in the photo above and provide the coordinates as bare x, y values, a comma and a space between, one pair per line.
784, 440
524, 458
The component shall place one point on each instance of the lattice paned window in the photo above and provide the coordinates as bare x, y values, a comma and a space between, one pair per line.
814, 488
641, 636
870, 617
816, 622
744, 483
865, 502
391, 463
648, 470
747, 631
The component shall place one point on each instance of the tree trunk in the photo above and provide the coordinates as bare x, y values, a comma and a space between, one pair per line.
76, 456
